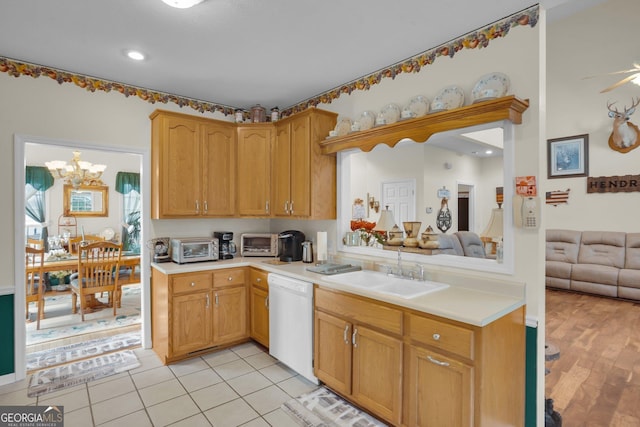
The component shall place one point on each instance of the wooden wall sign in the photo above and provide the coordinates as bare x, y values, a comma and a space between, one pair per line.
613, 184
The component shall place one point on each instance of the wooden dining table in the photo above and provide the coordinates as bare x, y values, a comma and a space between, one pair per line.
71, 263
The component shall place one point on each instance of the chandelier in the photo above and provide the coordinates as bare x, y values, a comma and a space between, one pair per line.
78, 172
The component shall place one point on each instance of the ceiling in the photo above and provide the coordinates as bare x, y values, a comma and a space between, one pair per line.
240, 52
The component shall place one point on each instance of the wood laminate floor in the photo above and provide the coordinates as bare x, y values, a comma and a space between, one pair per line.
596, 379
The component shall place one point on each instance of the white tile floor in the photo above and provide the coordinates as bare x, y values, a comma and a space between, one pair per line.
240, 386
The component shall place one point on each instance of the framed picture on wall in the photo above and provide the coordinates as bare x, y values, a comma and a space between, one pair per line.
568, 157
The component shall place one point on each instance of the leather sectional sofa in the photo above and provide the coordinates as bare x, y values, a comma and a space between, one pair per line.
597, 262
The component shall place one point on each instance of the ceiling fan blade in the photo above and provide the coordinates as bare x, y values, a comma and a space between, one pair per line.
633, 70
621, 82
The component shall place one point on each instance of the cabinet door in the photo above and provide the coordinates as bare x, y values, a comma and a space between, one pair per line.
229, 314
281, 190
260, 315
440, 390
191, 322
300, 199
180, 174
332, 359
254, 170
377, 373
219, 169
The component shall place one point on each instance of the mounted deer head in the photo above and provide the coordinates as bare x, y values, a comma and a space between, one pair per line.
624, 136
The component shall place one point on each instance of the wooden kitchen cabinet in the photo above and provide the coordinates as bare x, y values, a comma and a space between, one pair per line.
254, 169
259, 306
193, 313
229, 305
464, 375
359, 353
418, 370
304, 180
193, 166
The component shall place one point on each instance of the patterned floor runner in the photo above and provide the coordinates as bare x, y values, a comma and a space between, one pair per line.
323, 408
82, 350
69, 375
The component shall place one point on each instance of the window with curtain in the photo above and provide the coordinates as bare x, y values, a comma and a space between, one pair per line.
38, 180
128, 184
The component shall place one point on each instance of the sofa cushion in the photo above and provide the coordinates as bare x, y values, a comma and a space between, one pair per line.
629, 278
604, 248
562, 245
595, 273
449, 244
561, 270
632, 255
471, 244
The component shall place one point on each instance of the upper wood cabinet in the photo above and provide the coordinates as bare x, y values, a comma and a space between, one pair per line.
193, 166
304, 180
210, 168
254, 169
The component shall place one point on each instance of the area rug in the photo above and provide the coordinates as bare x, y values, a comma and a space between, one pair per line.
60, 323
323, 408
80, 372
82, 350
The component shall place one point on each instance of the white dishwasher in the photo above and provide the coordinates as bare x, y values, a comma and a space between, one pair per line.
291, 323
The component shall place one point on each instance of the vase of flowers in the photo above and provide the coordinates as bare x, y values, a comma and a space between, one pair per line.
367, 236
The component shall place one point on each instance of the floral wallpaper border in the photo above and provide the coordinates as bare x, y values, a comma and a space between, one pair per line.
473, 40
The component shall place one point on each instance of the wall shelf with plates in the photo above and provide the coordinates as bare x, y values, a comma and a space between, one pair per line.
421, 128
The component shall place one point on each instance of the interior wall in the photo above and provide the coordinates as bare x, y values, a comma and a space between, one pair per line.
593, 42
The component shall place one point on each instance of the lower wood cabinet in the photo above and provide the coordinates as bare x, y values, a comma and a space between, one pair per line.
358, 355
414, 369
197, 312
259, 306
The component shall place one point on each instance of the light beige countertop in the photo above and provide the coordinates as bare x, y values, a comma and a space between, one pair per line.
475, 301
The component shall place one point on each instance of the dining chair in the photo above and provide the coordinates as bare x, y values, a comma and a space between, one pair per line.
74, 242
129, 276
98, 271
35, 243
34, 273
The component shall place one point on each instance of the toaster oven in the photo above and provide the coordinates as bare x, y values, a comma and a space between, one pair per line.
194, 249
259, 244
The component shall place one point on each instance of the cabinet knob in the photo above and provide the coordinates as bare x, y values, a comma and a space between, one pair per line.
193, 283
436, 337
230, 278
259, 279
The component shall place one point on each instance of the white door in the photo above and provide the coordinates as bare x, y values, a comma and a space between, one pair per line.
400, 196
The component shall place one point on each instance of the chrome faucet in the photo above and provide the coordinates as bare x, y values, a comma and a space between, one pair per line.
400, 261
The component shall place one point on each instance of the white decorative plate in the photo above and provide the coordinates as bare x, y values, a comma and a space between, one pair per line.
490, 86
367, 120
108, 233
391, 113
418, 105
343, 127
449, 98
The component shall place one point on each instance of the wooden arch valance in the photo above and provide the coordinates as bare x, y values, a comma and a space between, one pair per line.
421, 128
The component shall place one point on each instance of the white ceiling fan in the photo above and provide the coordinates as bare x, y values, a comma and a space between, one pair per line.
635, 77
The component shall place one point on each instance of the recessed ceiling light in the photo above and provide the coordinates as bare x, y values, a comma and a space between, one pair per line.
488, 152
182, 4
136, 55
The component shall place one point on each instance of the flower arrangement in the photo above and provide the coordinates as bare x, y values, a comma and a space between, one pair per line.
61, 274
365, 228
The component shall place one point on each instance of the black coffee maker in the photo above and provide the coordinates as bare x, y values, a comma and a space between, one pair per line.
291, 245
226, 247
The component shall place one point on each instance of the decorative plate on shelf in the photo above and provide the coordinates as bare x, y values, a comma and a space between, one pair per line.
367, 120
391, 113
449, 98
491, 86
418, 105
343, 127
